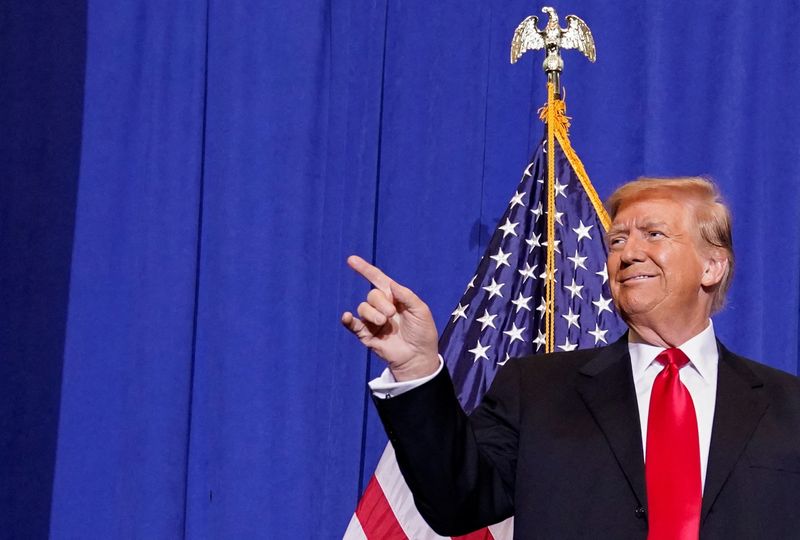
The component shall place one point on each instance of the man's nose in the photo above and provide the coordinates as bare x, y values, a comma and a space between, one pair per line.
632, 251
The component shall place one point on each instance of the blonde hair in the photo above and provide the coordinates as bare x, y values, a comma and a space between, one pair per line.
712, 217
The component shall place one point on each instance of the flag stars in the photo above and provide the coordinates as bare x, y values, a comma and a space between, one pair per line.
517, 199
577, 260
567, 346
541, 339
528, 272
515, 334
528, 169
480, 351
603, 273
494, 289
560, 189
533, 241
572, 319
461, 311
602, 304
486, 320
471, 284
558, 217
509, 228
501, 258
574, 289
508, 357
555, 245
522, 302
547, 275
598, 334
542, 309
538, 211
583, 231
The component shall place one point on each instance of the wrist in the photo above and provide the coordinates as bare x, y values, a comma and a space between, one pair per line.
415, 369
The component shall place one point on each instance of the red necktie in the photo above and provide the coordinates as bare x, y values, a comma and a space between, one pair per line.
672, 464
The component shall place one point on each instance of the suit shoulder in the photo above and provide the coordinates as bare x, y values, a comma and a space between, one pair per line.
768, 375
570, 361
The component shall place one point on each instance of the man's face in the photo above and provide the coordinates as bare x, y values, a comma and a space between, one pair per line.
655, 266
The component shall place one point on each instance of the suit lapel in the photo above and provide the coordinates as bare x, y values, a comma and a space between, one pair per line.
606, 387
740, 405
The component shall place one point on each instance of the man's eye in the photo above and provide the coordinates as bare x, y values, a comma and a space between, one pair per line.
655, 234
618, 241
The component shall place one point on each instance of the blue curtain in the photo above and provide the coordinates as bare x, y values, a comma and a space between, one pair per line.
182, 182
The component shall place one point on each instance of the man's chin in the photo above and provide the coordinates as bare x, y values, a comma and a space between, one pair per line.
631, 310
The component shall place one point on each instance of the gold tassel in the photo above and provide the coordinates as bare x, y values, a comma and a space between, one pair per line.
554, 114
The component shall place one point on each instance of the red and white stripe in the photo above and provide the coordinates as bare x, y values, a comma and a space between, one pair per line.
386, 511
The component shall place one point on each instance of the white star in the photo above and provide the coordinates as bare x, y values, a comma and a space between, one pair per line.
574, 289
547, 275
533, 241
480, 351
572, 319
515, 333
501, 258
461, 311
577, 260
486, 320
528, 170
508, 228
583, 231
603, 273
537, 211
508, 357
542, 309
516, 199
522, 302
599, 335
540, 340
558, 217
567, 346
494, 289
602, 304
471, 284
560, 189
528, 272
555, 245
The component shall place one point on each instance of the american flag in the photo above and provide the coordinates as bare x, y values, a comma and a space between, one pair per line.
501, 315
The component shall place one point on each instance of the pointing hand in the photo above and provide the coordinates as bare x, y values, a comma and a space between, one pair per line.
395, 324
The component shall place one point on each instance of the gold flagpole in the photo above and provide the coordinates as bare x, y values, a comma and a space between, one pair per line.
553, 38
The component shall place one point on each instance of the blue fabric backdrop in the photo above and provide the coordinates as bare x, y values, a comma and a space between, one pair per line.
182, 181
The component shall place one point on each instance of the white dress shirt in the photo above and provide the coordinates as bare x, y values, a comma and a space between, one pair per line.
699, 376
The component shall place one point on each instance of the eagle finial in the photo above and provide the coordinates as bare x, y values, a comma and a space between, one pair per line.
554, 38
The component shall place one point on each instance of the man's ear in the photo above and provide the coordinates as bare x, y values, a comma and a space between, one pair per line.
715, 267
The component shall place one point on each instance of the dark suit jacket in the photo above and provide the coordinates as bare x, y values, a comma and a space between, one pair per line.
557, 442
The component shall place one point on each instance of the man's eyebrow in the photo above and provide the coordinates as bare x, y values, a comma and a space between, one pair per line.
653, 225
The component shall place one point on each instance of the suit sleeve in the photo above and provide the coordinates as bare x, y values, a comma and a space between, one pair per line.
460, 469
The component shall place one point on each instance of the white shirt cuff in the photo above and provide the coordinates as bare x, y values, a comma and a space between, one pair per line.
386, 386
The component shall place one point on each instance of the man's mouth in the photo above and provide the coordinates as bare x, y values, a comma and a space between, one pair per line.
637, 277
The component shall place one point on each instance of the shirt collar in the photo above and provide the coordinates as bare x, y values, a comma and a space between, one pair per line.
701, 351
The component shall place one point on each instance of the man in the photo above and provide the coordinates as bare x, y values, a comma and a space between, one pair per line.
561, 440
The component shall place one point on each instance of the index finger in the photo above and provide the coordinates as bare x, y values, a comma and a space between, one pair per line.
371, 273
